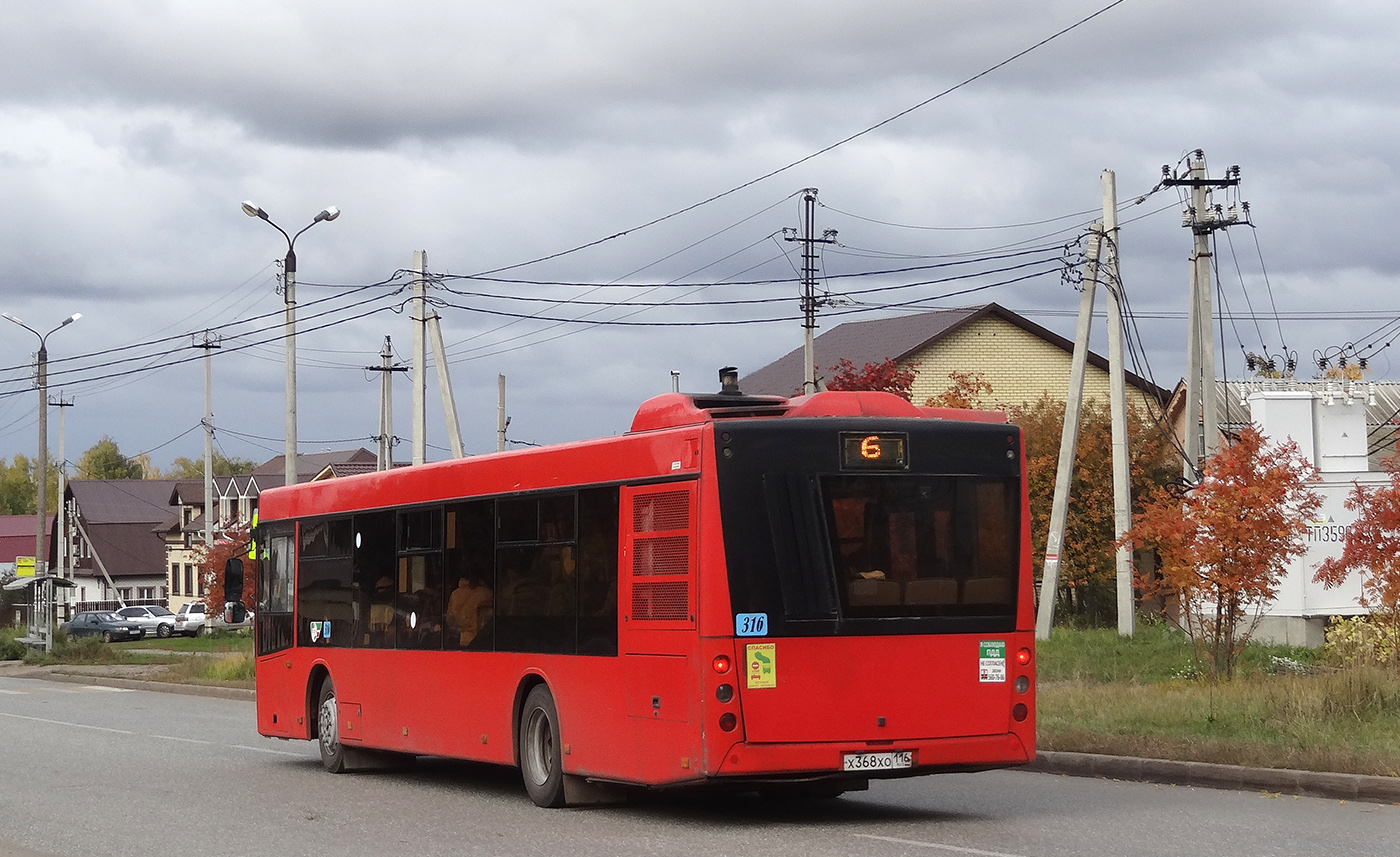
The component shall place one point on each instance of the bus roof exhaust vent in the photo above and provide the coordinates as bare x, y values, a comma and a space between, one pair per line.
729, 381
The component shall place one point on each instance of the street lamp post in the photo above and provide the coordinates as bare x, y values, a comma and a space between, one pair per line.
289, 269
42, 471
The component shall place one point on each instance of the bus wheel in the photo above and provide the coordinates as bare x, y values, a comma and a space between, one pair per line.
540, 766
328, 727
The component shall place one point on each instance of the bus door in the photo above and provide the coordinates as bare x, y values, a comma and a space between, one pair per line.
657, 596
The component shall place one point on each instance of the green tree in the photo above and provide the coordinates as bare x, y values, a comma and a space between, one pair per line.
17, 489
104, 460
185, 468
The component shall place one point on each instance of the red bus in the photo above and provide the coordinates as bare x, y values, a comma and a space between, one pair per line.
784, 595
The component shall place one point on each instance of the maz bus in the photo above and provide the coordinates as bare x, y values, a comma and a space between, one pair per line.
782, 595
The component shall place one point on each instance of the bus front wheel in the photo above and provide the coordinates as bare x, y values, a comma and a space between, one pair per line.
540, 765
328, 729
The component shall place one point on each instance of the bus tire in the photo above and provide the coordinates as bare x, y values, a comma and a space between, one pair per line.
540, 764
328, 729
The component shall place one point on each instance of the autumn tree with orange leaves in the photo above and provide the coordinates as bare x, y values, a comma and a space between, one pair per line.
965, 390
1088, 579
1372, 544
1225, 545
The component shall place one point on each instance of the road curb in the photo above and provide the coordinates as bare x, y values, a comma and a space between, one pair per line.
141, 684
1358, 787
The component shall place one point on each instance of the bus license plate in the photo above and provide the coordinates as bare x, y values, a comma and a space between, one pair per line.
877, 761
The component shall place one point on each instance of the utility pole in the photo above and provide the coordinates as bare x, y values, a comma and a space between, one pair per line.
1118, 406
61, 551
385, 459
420, 356
1069, 439
501, 419
449, 402
1103, 256
1202, 218
809, 283
208, 343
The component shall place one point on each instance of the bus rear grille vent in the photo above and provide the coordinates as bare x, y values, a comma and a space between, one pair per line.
666, 510
661, 555
660, 600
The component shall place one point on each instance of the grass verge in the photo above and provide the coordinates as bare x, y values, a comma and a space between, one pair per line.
1141, 697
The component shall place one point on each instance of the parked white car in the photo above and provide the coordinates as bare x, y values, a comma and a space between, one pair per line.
154, 619
190, 620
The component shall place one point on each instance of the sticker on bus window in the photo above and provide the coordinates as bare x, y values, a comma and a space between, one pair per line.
761, 659
991, 661
751, 625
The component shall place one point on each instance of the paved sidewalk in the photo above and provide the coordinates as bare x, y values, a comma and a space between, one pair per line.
1274, 780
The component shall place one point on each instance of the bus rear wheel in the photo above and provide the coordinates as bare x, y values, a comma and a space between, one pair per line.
540, 764
328, 729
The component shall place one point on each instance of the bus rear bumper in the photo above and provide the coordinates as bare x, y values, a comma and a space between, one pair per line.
827, 760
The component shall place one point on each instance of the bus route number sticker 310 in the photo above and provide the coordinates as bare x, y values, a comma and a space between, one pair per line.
991, 661
761, 667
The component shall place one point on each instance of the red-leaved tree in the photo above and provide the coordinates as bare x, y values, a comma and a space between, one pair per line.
1225, 546
232, 543
885, 377
1372, 544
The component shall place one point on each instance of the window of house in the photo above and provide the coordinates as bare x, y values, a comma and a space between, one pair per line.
174, 578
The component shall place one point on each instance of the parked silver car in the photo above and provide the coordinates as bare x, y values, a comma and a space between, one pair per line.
154, 618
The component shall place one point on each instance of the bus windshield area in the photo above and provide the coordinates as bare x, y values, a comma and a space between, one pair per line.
923, 545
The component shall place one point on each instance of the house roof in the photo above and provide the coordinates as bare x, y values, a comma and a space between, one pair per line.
17, 535
336, 470
127, 550
272, 473
126, 501
901, 337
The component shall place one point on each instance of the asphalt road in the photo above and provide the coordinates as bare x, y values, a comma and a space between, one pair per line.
103, 771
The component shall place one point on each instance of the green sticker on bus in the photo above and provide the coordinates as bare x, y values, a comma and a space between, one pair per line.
991, 661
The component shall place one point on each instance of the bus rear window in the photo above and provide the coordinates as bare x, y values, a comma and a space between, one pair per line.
923, 545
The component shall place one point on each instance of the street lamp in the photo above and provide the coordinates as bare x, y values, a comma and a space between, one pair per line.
42, 471
289, 269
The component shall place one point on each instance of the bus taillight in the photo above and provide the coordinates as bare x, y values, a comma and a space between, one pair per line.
1019, 712
721, 664
727, 721
1023, 657
724, 692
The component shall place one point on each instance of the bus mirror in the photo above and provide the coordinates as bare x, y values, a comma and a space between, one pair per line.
233, 580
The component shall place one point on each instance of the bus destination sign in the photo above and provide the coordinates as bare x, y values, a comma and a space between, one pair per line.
860, 451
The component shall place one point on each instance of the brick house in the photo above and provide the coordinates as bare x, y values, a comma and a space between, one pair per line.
1017, 357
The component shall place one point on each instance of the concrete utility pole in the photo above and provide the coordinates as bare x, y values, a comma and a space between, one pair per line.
809, 283
449, 402
501, 419
1118, 406
208, 343
1069, 439
1102, 255
385, 459
420, 356
1202, 218
61, 552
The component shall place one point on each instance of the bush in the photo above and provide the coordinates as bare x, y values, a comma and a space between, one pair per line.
10, 649
1359, 641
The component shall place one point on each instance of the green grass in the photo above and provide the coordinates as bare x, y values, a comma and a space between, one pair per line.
217, 643
1140, 697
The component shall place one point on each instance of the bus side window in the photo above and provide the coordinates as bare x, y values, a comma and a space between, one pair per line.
597, 571
373, 586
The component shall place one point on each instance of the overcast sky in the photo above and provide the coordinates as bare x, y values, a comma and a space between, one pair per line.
494, 134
